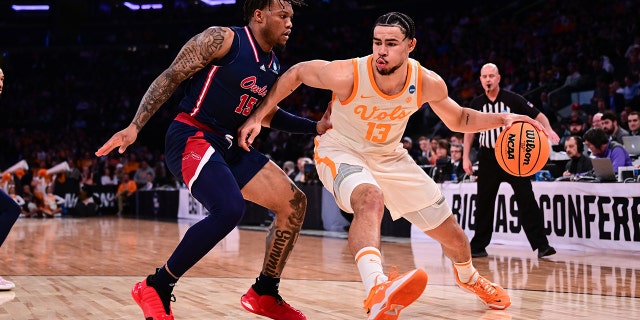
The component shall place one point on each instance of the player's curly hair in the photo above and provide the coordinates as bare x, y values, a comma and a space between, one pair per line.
252, 5
400, 20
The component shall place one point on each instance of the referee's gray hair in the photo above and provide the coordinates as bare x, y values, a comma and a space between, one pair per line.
400, 20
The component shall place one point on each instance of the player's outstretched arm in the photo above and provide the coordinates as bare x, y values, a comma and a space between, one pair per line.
315, 73
194, 55
462, 119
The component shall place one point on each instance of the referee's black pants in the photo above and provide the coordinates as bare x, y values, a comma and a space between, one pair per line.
531, 218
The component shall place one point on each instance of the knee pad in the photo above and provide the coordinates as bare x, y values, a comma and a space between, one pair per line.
430, 217
347, 179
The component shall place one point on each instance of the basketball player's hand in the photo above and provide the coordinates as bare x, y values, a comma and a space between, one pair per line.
247, 132
512, 117
325, 123
122, 138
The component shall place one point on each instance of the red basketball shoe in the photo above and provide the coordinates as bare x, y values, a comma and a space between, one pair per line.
148, 298
270, 306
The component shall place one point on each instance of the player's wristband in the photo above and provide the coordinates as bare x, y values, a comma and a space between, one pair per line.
288, 122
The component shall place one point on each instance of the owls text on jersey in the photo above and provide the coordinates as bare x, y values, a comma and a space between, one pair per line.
210, 98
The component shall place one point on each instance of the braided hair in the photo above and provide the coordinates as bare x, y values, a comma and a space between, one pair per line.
252, 5
400, 20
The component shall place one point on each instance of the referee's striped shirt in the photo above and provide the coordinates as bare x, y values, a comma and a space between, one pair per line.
506, 101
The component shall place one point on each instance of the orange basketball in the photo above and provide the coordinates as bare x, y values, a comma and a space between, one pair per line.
522, 150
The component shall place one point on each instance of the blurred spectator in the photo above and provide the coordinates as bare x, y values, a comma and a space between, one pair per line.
575, 127
407, 143
573, 76
131, 163
623, 116
289, 168
597, 140
86, 175
456, 138
578, 162
126, 189
434, 146
610, 125
444, 167
426, 156
144, 174
303, 165
163, 178
52, 204
147, 185
615, 97
596, 120
456, 161
633, 120
11, 191
108, 176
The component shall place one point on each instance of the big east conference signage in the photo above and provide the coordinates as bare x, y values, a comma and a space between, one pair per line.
577, 215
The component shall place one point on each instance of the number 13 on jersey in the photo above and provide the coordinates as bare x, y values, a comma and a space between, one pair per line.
377, 132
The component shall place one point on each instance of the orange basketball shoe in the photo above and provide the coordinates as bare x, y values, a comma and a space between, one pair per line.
491, 294
387, 299
273, 307
149, 300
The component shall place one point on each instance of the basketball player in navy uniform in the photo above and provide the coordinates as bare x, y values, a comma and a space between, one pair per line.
9, 213
491, 175
230, 70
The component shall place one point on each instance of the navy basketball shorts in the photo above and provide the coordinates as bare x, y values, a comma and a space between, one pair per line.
188, 149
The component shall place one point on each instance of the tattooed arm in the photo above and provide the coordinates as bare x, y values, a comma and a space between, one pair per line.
213, 43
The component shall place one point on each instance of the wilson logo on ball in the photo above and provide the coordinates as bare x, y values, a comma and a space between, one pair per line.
529, 145
522, 150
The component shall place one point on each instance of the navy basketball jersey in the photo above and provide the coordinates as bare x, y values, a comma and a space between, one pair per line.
223, 94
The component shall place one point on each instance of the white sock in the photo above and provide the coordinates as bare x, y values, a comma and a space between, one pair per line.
369, 262
467, 273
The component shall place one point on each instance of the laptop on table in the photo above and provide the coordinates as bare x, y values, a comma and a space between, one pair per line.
603, 170
632, 145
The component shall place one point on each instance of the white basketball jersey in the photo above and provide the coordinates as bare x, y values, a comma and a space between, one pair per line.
369, 120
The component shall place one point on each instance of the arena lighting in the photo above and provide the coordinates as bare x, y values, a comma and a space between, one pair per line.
146, 6
30, 7
217, 2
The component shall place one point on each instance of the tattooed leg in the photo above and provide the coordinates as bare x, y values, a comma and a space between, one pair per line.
283, 233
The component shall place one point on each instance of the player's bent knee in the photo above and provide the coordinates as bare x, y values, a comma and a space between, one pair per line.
292, 210
430, 217
348, 178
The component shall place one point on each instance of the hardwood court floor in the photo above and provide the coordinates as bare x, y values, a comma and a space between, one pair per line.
67, 268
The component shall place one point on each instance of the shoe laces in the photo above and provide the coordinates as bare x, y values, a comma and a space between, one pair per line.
485, 285
393, 274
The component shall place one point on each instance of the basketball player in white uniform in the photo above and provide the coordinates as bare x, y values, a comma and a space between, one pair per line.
362, 163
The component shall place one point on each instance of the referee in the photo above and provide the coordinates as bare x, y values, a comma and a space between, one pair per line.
490, 174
